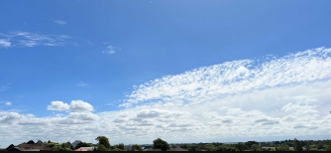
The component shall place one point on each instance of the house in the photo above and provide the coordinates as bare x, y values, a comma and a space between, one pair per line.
30, 146
147, 148
84, 149
75, 143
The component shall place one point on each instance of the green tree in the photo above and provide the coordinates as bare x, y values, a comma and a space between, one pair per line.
250, 143
101, 147
241, 146
193, 148
120, 146
83, 144
209, 147
297, 145
327, 148
67, 145
160, 144
256, 147
104, 141
225, 147
136, 147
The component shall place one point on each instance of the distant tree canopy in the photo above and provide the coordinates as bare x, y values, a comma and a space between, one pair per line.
209, 147
83, 144
241, 146
297, 145
104, 141
136, 147
67, 145
120, 146
160, 144
256, 147
101, 147
250, 143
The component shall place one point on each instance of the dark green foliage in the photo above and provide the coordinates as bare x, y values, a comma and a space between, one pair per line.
83, 144
256, 147
193, 148
136, 148
101, 147
53, 145
104, 141
283, 147
113, 147
250, 143
160, 144
241, 146
297, 145
67, 145
225, 147
327, 147
120, 146
209, 147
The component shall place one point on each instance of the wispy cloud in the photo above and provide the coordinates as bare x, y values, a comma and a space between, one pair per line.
82, 84
27, 39
233, 77
282, 97
8, 103
3, 88
111, 50
4, 43
60, 22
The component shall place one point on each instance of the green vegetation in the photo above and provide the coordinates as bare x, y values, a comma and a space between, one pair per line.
297, 145
136, 148
160, 144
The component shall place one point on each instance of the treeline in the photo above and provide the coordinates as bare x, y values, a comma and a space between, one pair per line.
161, 145
286, 145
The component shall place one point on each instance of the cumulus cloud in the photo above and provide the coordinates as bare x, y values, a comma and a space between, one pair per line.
75, 105
60, 22
28, 39
80, 106
58, 106
281, 98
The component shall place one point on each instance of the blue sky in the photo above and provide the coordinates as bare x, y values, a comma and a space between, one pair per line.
98, 60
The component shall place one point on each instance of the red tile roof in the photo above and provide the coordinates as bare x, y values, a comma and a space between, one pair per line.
81, 149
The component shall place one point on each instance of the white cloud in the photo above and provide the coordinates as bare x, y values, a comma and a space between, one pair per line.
58, 106
206, 83
3, 88
80, 106
82, 84
4, 43
75, 105
282, 98
27, 39
111, 50
8, 103
60, 22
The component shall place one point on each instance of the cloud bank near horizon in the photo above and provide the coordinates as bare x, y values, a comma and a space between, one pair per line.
278, 97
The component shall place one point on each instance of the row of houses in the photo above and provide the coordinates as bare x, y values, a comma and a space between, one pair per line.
40, 146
